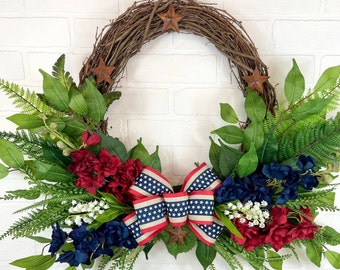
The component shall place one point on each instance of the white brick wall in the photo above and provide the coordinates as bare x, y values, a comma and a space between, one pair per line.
171, 89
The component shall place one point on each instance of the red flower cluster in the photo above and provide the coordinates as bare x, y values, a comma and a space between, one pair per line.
279, 231
105, 172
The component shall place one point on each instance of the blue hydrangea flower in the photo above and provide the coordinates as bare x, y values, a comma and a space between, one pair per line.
58, 239
305, 163
277, 171
74, 258
85, 240
228, 191
308, 181
115, 233
288, 193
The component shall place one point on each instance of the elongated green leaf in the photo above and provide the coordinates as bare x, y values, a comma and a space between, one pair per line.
333, 258
39, 239
78, 103
95, 102
269, 148
314, 252
228, 223
36, 262
55, 92
214, 155
294, 84
49, 172
330, 235
26, 121
255, 107
247, 163
155, 161
114, 146
141, 153
328, 79
253, 134
108, 215
275, 260
3, 171
228, 159
310, 108
74, 128
11, 155
228, 114
230, 134
205, 254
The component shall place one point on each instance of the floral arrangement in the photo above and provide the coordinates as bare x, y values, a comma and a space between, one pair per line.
270, 174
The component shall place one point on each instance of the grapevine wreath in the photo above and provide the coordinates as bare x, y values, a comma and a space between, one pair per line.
269, 177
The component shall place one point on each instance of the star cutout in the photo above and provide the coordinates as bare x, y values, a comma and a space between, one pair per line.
255, 81
177, 235
170, 20
102, 72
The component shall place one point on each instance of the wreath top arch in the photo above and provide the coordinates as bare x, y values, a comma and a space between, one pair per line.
107, 203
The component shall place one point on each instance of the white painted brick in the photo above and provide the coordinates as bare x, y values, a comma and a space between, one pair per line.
329, 61
306, 35
11, 250
332, 7
74, 6
257, 30
34, 32
142, 101
266, 8
192, 42
160, 44
172, 69
85, 31
11, 66
10, 6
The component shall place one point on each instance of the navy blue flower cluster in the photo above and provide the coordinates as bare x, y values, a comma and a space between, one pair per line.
90, 243
259, 186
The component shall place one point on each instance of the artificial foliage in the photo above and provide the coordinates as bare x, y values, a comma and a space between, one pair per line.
268, 177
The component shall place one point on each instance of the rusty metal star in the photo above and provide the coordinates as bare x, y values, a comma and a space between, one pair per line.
256, 81
170, 20
102, 72
177, 235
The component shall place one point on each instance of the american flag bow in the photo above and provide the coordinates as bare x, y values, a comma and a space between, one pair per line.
157, 205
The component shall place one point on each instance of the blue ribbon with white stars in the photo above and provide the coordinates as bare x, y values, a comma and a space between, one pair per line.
157, 205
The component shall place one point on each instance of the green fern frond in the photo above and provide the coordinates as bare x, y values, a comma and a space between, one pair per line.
320, 140
58, 71
24, 99
37, 221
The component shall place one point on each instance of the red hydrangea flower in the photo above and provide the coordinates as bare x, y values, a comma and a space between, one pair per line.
106, 165
90, 183
90, 139
83, 161
306, 228
124, 179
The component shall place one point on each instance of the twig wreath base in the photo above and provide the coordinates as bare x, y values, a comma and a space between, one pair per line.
269, 177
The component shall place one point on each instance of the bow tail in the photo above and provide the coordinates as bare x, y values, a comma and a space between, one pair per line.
207, 233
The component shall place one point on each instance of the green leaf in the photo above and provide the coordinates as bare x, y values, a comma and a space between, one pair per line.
3, 171
40, 239
55, 155
247, 163
328, 79
106, 216
95, 102
114, 146
253, 135
228, 114
60, 124
314, 252
294, 84
55, 92
310, 108
155, 161
214, 155
255, 107
274, 259
205, 254
78, 103
228, 159
111, 97
330, 236
49, 172
230, 134
26, 121
74, 128
269, 148
176, 248
141, 153
36, 262
227, 223
11, 155
333, 258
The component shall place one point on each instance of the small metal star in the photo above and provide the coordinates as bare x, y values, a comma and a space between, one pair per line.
177, 235
256, 81
102, 72
170, 20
